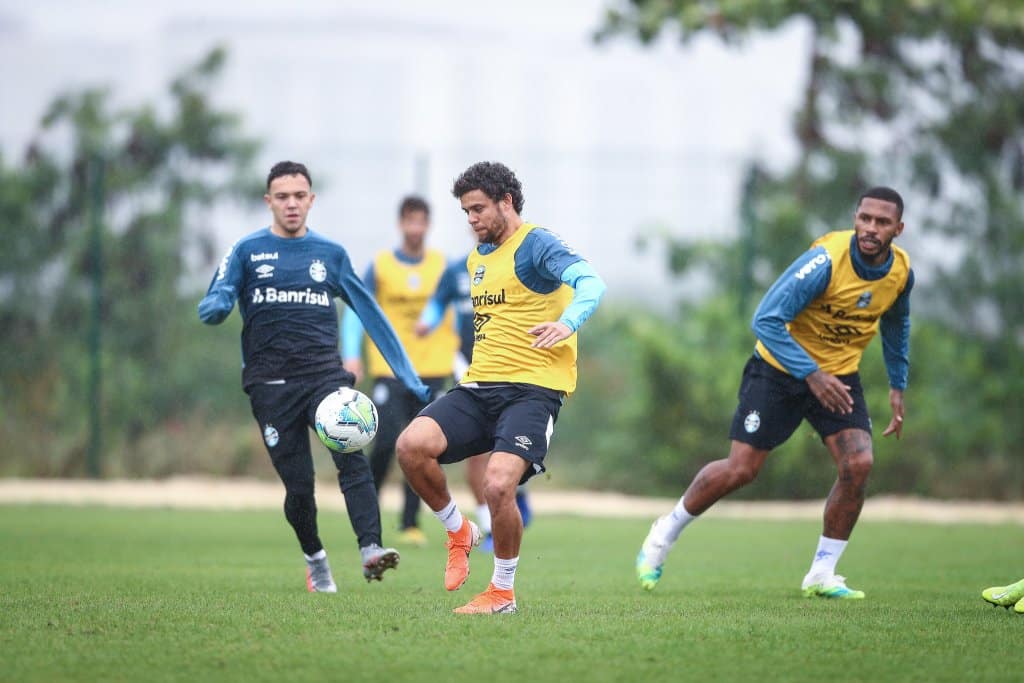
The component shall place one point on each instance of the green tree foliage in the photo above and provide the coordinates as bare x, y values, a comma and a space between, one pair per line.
165, 165
927, 96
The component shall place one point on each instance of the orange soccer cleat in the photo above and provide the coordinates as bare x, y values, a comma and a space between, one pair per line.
491, 601
459, 544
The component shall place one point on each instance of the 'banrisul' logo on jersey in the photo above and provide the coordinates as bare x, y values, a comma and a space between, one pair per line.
273, 295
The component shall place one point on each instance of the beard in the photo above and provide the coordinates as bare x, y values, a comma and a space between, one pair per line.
495, 230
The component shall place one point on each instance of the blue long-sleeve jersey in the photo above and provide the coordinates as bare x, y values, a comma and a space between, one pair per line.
285, 289
790, 294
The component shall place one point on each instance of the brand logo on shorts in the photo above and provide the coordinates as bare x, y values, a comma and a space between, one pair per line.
318, 271
864, 301
524, 442
478, 275
270, 436
752, 422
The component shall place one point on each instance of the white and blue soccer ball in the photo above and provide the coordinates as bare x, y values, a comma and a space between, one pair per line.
346, 420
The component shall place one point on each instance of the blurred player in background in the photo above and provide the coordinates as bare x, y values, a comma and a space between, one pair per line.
285, 278
1006, 596
812, 327
530, 293
402, 280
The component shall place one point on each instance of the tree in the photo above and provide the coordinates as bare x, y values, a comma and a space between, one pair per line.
161, 173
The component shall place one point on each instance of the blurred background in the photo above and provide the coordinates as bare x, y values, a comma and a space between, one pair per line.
689, 149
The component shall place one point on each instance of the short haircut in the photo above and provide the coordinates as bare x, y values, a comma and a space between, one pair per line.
886, 194
413, 203
494, 180
283, 168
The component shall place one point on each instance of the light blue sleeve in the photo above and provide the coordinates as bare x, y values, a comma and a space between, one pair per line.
802, 283
895, 328
224, 289
433, 313
352, 330
588, 288
381, 332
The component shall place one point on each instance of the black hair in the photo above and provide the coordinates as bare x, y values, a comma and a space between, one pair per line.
886, 194
413, 203
283, 168
494, 180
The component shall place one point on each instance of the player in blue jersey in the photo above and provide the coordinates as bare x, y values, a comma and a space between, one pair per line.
285, 278
453, 291
530, 294
812, 327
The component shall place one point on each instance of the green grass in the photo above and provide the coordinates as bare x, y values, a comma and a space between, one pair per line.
100, 594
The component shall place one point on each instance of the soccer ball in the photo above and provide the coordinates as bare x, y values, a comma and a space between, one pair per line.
346, 420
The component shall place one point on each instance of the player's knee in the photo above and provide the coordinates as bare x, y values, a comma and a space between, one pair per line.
857, 466
498, 491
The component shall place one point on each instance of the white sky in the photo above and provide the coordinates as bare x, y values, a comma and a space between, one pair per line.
608, 140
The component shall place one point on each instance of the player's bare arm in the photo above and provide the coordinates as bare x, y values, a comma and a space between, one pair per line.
896, 423
831, 392
549, 334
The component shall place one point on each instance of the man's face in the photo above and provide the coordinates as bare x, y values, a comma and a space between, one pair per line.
413, 226
289, 198
876, 223
489, 219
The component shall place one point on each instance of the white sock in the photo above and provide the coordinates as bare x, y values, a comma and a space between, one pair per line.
318, 555
504, 576
827, 556
671, 525
483, 518
450, 516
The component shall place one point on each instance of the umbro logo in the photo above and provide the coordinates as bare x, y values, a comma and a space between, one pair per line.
524, 442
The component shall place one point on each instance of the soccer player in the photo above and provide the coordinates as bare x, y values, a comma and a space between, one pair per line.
1005, 596
812, 327
453, 290
285, 278
530, 293
402, 280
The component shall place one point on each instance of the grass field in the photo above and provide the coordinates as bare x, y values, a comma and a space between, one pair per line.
103, 594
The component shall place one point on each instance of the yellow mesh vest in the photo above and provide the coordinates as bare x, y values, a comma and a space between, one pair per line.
836, 327
402, 290
503, 310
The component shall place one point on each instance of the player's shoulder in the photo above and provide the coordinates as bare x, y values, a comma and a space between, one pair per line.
543, 239
254, 241
324, 243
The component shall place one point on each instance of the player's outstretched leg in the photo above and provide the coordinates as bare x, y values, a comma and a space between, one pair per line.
318, 574
1006, 596
377, 560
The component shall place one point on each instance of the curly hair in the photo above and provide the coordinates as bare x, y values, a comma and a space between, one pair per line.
493, 179
283, 168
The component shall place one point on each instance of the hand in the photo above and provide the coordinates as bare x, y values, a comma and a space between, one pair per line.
830, 392
549, 334
355, 366
896, 423
421, 329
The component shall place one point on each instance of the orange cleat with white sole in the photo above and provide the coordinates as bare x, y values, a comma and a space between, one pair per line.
491, 601
459, 544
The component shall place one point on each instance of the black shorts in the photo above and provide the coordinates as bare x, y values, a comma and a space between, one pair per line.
496, 416
772, 403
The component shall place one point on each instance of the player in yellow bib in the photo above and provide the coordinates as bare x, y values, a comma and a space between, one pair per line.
530, 294
812, 327
402, 280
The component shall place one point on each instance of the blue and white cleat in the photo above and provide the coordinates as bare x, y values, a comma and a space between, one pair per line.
830, 586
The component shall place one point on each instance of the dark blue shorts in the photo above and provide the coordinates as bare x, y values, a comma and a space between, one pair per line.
484, 417
772, 404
